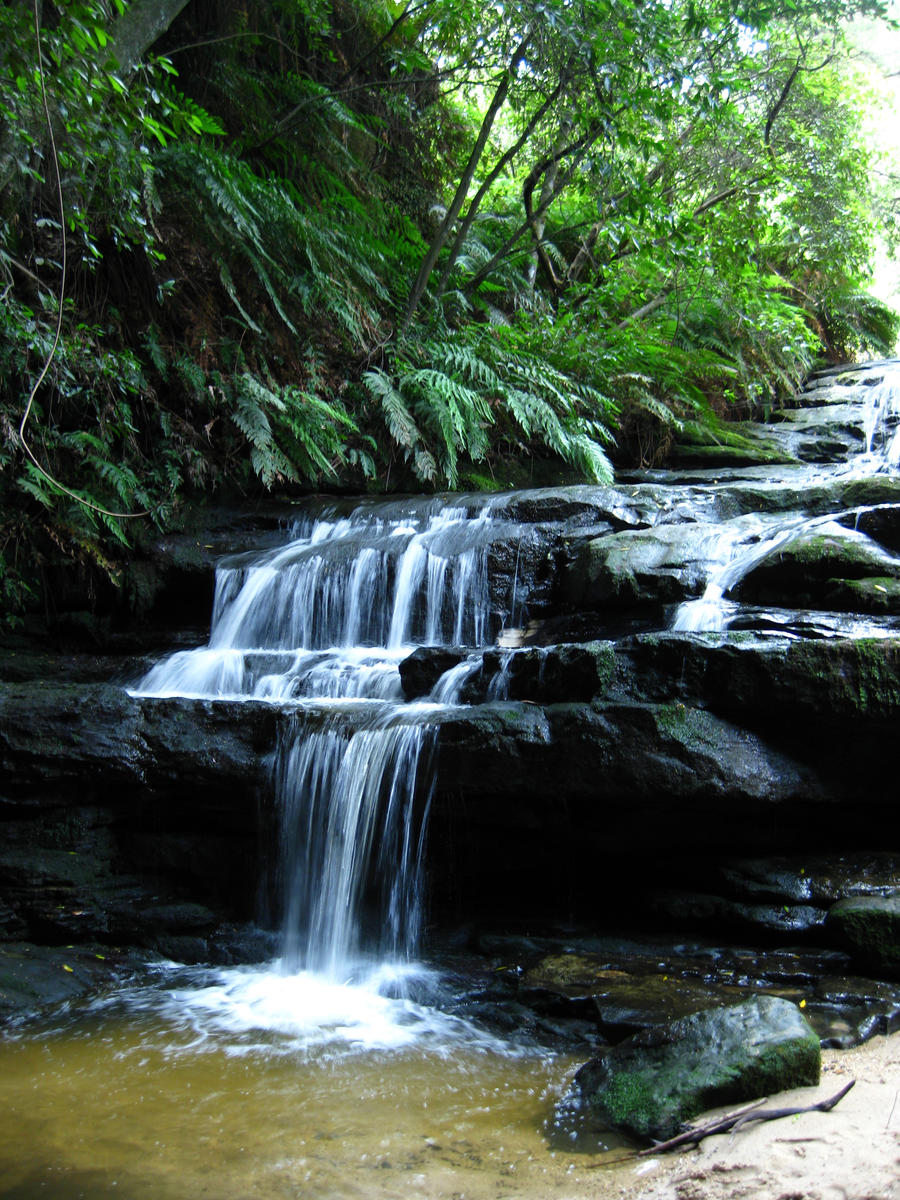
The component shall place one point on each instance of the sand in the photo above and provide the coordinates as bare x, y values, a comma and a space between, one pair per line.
850, 1153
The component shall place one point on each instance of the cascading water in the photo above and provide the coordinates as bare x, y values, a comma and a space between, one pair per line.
319, 626
746, 544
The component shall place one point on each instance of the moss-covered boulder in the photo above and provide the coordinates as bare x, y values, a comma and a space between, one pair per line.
869, 927
652, 1083
821, 568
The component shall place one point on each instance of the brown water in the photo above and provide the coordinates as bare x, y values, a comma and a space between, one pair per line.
146, 1100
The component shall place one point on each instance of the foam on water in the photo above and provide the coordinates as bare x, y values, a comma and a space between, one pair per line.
274, 1010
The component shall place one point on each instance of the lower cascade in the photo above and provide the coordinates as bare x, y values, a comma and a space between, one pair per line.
347, 801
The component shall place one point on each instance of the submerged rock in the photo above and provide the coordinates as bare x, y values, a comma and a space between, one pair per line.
654, 1082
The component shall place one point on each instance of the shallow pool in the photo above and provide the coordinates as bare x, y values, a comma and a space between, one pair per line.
248, 1082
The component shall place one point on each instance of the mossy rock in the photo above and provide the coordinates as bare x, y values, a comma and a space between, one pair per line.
817, 569
653, 1083
869, 927
712, 443
879, 596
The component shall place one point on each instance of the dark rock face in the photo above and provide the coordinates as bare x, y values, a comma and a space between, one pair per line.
652, 1083
125, 823
869, 927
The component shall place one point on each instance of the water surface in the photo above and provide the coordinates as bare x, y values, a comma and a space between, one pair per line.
248, 1083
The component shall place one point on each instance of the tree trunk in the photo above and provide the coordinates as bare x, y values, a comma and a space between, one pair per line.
440, 238
142, 23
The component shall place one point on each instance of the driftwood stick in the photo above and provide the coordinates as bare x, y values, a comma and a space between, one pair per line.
743, 1117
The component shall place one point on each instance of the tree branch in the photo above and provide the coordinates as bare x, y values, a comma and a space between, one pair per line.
581, 147
693, 1137
499, 166
443, 232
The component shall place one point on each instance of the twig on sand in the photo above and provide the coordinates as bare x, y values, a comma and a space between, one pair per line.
891, 1113
693, 1137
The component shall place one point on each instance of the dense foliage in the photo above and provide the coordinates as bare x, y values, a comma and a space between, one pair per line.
359, 244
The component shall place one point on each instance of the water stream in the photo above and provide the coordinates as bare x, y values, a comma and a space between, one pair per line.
337, 1069
748, 542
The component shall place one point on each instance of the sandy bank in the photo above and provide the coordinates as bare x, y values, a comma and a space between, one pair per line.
850, 1153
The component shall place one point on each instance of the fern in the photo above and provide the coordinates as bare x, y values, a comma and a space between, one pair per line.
454, 401
322, 260
292, 434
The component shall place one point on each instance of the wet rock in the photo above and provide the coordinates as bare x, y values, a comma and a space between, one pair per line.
580, 506
654, 1082
698, 910
660, 754
423, 668
813, 570
770, 678
562, 672
77, 732
662, 565
846, 1010
878, 595
881, 523
621, 1001
869, 926
35, 977
814, 878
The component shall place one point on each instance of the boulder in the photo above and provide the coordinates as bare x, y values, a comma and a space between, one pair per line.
654, 1082
869, 926
814, 568
660, 565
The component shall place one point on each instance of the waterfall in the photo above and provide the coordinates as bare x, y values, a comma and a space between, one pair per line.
320, 625
348, 801
741, 549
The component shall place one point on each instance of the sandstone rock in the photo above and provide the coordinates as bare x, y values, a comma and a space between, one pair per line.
654, 1082
869, 926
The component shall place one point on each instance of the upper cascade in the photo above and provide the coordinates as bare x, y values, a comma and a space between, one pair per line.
869, 404
332, 612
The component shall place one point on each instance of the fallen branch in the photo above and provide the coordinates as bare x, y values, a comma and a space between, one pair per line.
693, 1137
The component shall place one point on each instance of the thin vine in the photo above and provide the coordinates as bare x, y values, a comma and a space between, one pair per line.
105, 512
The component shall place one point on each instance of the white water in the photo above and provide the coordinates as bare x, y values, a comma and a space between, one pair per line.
882, 421
744, 544
320, 626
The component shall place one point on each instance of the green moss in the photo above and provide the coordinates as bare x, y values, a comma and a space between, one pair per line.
710, 441
879, 489
873, 595
690, 726
633, 1100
